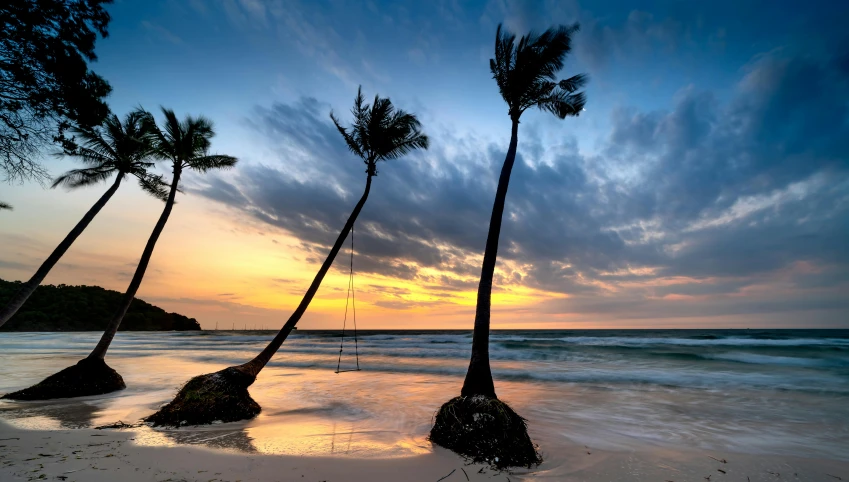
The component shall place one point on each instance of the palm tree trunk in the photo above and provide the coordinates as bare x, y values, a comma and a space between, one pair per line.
479, 376
100, 350
27, 289
254, 366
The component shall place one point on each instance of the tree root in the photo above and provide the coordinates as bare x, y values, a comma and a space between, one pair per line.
88, 377
485, 430
220, 396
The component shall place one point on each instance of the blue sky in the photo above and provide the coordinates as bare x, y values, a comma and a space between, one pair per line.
707, 183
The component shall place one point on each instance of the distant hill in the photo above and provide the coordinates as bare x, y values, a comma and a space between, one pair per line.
85, 308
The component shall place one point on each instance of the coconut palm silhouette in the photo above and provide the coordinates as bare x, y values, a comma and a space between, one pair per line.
476, 424
186, 144
116, 148
380, 133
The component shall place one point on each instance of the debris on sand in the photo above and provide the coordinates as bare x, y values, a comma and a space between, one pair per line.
119, 425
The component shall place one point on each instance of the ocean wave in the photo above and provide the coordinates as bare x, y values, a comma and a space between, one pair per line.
730, 341
756, 359
793, 352
695, 379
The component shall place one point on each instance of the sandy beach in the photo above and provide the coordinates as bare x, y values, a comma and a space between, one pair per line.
659, 408
108, 455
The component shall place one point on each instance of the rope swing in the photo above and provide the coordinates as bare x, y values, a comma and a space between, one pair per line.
352, 298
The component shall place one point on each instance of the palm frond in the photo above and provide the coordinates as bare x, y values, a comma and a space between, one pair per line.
215, 161
92, 141
526, 71
82, 177
5, 206
574, 83
155, 185
415, 141
504, 61
349, 139
173, 127
361, 113
563, 104
116, 146
380, 131
186, 143
93, 157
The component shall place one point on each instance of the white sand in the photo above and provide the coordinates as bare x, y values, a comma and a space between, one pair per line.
111, 455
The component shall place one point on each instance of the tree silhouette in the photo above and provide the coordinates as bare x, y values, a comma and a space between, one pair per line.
380, 133
526, 74
45, 83
86, 308
115, 148
186, 144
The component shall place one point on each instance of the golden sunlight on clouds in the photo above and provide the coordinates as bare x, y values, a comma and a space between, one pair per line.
237, 273
230, 271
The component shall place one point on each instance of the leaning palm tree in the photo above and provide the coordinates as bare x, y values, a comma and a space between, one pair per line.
186, 144
380, 133
121, 148
476, 424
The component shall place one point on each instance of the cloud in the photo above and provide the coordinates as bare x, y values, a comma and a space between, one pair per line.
706, 199
601, 38
640, 33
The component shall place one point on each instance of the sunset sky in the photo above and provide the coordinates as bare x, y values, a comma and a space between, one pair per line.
706, 185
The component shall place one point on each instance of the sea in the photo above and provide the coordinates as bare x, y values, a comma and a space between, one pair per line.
751, 391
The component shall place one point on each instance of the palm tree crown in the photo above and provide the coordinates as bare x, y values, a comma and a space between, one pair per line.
526, 73
381, 132
122, 147
186, 143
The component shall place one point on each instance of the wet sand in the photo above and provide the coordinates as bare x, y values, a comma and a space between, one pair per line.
109, 455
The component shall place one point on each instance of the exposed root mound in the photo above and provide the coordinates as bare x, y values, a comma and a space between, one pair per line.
87, 377
485, 430
222, 395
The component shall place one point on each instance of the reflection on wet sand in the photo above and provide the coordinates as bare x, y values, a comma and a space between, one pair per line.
311, 435
297, 435
220, 436
53, 414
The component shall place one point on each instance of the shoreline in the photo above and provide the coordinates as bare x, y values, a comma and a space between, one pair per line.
102, 455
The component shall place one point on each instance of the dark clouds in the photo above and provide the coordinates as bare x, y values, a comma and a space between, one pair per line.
752, 185
721, 194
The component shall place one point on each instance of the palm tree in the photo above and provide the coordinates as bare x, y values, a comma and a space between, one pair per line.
120, 148
186, 144
380, 133
526, 77
5, 206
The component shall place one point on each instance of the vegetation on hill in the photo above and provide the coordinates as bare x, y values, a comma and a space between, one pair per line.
85, 308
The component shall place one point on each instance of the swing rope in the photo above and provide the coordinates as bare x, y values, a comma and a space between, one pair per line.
352, 297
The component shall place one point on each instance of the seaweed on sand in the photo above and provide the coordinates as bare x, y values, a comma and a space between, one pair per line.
484, 430
222, 395
90, 376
